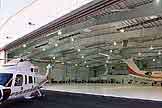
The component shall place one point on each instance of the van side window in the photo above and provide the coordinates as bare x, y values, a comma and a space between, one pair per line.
25, 79
32, 69
19, 80
30, 79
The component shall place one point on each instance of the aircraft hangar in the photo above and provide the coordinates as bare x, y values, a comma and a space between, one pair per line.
87, 50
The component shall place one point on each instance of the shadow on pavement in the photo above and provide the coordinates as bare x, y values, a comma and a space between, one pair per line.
55, 99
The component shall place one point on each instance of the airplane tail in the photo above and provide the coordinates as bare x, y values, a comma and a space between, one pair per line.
45, 77
47, 73
48, 70
131, 65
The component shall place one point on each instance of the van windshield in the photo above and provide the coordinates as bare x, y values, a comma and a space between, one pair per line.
6, 79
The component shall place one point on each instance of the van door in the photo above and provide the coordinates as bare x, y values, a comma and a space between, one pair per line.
31, 82
28, 85
18, 85
25, 85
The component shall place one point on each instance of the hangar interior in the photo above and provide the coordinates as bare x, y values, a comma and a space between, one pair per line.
88, 45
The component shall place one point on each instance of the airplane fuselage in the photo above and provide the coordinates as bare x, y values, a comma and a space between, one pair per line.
135, 71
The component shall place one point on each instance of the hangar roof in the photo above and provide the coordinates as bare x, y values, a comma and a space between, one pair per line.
103, 31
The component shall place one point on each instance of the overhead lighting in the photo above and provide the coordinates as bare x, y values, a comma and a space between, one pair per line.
85, 62
153, 17
62, 63
107, 61
82, 57
44, 49
153, 60
59, 32
24, 45
76, 64
115, 43
104, 54
72, 39
157, 1
151, 48
69, 62
56, 44
122, 30
87, 30
78, 50
16, 56
139, 54
111, 51
87, 66
54, 57
108, 57
51, 33
159, 53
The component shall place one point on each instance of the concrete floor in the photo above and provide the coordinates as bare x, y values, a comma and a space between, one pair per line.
53, 99
58, 96
126, 91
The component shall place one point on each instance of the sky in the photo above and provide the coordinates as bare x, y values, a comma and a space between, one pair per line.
39, 13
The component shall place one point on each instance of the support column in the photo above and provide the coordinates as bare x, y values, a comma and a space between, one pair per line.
3, 57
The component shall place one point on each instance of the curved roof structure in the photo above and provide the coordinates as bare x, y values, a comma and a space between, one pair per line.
117, 28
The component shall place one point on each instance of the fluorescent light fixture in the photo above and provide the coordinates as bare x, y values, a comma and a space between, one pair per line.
153, 17
115, 43
54, 57
151, 48
139, 54
153, 60
78, 50
56, 44
157, 1
58, 61
44, 49
104, 54
69, 62
159, 53
59, 32
51, 33
108, 57
72, 39
111, 51
24, 45
122, 30
82, 57
87, 30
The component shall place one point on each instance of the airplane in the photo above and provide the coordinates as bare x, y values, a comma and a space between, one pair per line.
133, 70
19, 78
